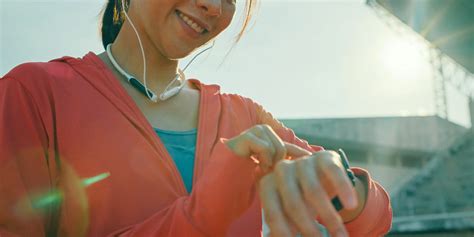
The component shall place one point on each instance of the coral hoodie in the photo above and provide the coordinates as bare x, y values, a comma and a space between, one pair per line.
78, 158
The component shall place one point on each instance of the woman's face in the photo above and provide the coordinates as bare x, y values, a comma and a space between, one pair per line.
178, 27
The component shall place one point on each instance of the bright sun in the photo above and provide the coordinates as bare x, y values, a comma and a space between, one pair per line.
402, 57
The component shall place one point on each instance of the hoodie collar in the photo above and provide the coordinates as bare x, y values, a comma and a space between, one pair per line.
99, 76
93, 60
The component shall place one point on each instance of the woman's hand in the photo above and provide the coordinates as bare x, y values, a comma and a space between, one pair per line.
263, 144
298, 190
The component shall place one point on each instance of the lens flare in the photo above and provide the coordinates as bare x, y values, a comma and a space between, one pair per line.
69, 195
89, 181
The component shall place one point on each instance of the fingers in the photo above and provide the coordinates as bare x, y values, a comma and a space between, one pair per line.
262, 148
295, 151
316, 196
271, 204
261, 143
269, 148
340, 182
293, 203
278, 145
280, 149
299, 189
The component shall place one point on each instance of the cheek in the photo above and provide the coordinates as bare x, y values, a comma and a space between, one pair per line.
225, 19
153, 12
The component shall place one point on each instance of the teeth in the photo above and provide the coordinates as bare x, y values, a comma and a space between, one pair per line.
191, 23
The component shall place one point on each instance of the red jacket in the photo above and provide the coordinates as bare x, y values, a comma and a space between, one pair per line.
69, 119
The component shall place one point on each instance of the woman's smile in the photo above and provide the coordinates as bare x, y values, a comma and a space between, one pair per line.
190, 26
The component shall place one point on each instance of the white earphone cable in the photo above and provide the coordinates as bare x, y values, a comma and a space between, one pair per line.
141, 48
166, 94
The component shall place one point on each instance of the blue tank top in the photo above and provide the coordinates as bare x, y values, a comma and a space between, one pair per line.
181, 145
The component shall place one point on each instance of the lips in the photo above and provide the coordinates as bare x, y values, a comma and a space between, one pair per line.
194, 23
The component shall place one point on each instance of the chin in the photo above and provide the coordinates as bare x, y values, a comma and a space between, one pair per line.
179, 53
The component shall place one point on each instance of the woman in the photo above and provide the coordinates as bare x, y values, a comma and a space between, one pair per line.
87, 150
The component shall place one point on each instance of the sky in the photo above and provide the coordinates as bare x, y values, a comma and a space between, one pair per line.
300, 59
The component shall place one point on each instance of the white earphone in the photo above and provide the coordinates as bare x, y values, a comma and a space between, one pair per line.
142, 87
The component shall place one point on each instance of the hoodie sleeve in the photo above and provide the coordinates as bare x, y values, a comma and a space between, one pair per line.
28, 168
376, 217
212, 206
34, 186
24, 168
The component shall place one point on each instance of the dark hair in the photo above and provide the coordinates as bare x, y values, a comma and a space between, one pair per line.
113, 18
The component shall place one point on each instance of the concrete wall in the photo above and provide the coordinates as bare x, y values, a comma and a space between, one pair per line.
427, 133
391, 178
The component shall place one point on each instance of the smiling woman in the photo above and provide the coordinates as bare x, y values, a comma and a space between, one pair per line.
113, 18
86, 147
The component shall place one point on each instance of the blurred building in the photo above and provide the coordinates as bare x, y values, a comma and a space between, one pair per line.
440, 198
426, 164
393, 149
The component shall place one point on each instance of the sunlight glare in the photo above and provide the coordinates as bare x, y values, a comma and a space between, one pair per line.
402, 57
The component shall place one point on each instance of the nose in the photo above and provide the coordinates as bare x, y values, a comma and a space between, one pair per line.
210, 7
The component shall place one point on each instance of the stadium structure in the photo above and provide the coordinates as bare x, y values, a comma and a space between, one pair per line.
439, 199
426, 163
394, 149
